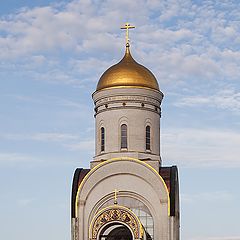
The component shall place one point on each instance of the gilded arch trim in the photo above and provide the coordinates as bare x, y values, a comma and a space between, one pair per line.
119, 159
117, 214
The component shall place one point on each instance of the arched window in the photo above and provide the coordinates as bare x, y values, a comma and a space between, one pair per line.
102, 139
123, 136
148, 138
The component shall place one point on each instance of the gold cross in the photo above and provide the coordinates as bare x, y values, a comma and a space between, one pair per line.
127, 27
115, 196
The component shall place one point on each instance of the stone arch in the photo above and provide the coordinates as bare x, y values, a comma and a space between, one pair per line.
87, 179
110, 197
115, 174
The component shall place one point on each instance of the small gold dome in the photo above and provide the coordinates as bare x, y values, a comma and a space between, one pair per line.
127, 73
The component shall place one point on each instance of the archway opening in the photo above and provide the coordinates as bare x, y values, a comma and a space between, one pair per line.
141, 211
116, 232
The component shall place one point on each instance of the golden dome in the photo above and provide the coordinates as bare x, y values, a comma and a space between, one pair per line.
127, 73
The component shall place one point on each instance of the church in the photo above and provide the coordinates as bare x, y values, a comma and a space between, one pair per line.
126, 194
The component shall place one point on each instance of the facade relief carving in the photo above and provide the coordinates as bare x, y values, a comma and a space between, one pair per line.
116, 214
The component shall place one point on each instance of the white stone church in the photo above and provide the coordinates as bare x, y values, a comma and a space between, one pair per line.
126, 194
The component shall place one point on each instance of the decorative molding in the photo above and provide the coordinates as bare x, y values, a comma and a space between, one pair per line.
128, 107
126, 98
117, 214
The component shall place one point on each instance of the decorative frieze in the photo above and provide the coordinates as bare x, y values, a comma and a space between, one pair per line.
127, 98
116, 214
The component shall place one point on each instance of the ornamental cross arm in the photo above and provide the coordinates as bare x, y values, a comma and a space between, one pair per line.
127, 26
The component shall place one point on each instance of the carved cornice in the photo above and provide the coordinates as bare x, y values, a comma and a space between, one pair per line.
120, 98
109, 108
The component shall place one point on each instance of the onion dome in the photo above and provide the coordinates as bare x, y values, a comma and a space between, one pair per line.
127, 73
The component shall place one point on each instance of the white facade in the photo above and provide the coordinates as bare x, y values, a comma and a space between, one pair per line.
135, 107
126, 194
140, 182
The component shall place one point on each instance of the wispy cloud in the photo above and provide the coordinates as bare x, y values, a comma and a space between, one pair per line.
45, 137
16, 158
196, 47
227, 99
51, 27
191, 45
69, 141
191, 147
87, 145
29, 159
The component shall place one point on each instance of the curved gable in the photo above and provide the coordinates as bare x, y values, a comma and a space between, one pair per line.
135, 170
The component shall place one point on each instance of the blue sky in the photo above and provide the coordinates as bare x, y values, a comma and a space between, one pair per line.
52, 54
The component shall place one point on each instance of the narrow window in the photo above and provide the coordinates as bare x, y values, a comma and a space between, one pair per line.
123, 136
102, 139
148, 138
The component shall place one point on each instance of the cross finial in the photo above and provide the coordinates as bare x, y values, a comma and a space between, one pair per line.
127, 26
115, 196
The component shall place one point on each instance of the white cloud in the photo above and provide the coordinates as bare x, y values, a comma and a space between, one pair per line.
201, 148
56, 75
47, 28
35, 159
37, 29
182, 42
227, 99
190, 48
87, 145
85, 67
71, 142
16, 158
45, 137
